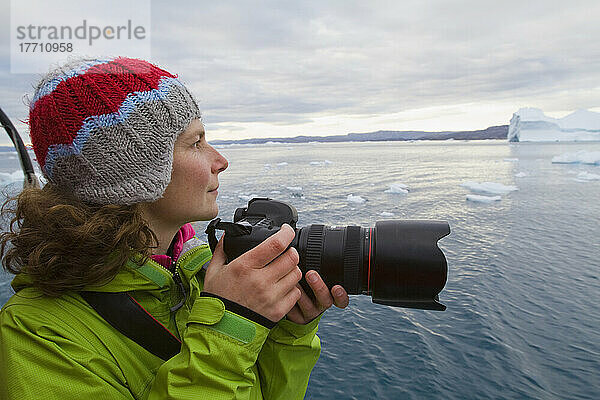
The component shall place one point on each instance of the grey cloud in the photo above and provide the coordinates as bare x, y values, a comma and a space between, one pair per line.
391, 56
281, 62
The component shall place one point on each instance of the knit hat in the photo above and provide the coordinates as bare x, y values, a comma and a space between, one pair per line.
105, 129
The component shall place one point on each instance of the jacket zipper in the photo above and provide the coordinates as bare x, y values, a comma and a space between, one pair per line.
174, 309
177, 279
179, 282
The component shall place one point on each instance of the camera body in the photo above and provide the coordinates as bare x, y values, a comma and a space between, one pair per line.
398, 263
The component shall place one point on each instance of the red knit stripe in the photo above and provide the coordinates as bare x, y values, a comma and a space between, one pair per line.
58, 116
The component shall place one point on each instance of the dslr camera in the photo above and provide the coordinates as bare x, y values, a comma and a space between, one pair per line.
397, 262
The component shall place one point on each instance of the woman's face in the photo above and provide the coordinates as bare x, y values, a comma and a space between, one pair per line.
192, 193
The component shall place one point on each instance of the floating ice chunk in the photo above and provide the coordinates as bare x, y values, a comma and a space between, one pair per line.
355, 199
586, 177
566, 158
11, 177
320, 163
520, 175
294, 188
489, 187
275, 191
483, 199
282, 164
580, 157
247, 197
590, 157
397, 188
511, 159
386, 214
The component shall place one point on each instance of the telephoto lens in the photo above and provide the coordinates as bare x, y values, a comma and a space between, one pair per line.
397, 262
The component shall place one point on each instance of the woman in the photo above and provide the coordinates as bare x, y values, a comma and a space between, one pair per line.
122, 146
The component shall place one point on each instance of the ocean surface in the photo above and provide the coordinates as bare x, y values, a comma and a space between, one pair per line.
523, 290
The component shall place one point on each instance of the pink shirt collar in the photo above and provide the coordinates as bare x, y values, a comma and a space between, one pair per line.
185, 233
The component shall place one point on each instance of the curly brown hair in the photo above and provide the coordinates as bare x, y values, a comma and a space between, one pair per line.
65, 244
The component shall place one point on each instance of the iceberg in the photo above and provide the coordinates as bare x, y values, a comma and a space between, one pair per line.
532, 125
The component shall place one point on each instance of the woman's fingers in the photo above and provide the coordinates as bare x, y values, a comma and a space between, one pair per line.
323, 298
282, 266
219, 256
269, 249
306, 304
340, 297
295, 315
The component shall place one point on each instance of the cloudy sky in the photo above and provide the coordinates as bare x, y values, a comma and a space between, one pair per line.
287, 68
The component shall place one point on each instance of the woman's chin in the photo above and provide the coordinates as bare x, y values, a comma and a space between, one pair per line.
213, 213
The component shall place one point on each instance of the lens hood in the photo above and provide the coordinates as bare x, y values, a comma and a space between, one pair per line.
409, 268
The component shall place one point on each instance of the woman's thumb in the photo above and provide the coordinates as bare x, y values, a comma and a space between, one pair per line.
219, 256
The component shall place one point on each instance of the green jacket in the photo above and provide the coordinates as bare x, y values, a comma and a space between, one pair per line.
60, 348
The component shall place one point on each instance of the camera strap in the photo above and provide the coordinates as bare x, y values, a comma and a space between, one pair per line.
127, 316
231, 229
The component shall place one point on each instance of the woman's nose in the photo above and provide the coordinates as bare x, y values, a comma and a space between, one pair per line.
220, 163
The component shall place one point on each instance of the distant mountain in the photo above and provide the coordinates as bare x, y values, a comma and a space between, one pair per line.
493, 132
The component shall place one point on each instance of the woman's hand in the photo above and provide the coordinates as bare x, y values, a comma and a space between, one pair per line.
263, 279
306, 310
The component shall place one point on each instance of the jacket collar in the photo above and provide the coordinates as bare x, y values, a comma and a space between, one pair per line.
185, 233
194, 256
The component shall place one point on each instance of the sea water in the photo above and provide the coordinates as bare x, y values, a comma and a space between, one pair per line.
523, 290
